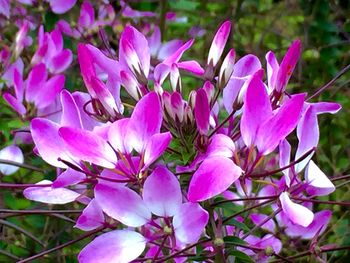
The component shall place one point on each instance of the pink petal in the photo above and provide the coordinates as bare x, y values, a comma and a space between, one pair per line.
256, 110
189, 223
115, 246
10, 153
50, 195
87, 15
219, 42
318, 183
61, 61
123, 204
18, 84
272, 131
287, 65
89, 147
202, 111
326, 107
284, 158
49, 145
191, 66
213, 177
272, 69
320, 221
298, 214
70, 112
67, 178
257, 219
50, 91
34, 84
162, 192
155, 147
91, 218
220, 146
145, 121
117, 134
169, 48
14, 103
5, 8
174, 58
61, 6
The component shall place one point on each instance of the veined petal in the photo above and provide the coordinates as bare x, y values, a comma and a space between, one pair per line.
155, 147
212, 177
287, 65
145, 121
318, 183
189, 223
89, 147
91, 218
115, 246
162, 192
256, 110
123, 204
298, 214
50, 195
49, 144
10, 153
272, 131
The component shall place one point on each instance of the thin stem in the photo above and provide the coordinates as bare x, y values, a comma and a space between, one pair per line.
222, 123
23, 165
321, 202
9, 185
285, 167
40, 211
244, 199
43, 253
340, 178
320, 90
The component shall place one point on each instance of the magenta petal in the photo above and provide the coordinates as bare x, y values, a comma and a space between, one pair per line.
326, 107
318, 183
10, 153
189, 223
14, 103
61, 61
221, 146
50, 91
47, 141
61, 6
272, 69
257, 219
89, 147
68, 177
145, 121
50, 195
117, 134
123, 204
308, 135
169, 48
87, 15
272, 131
256, 110
5, 8
191, 66
298, 214
219, 42
18, 85
70, 112
174, 58
212, 177
202, 111
162, 192
34, 84
115, 246
155, 147
318, 225
287, 65
91, 218
284, 158
270, 241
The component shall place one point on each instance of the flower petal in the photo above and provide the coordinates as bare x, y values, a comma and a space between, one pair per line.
61, 6
91, 218
123, 204
68, 177
61, 61
50, 195
162, 192
114, 246
202, 111
49, 92
298, 214
318, 183
70, 112
189, 223
155, 147
14, 103
219, 42
257, 219
10, 153
212, 177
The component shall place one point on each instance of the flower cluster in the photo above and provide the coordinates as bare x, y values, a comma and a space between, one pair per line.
161, 173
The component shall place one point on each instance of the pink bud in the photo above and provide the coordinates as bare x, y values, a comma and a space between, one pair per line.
130, 84
219, 42
226, 69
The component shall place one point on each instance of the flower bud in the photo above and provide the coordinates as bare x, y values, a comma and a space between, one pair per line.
226, 69
218, 44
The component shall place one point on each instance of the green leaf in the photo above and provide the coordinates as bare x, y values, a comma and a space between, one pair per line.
240, 256
234, 240
234, 222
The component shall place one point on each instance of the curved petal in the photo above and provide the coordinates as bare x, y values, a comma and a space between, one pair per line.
117, 134
162, 192
91, 218
219, 42
115, 246
50, 195
272, 69
89, 147
61, 61
70, 112
14, 103
202, 111
10, 153
145, 121
155, 147
50, 146
61, 6
191, 66
49, 92
212, 177
221, 146
298, 214
257, 219
68, 177
189, 223
318, 183
123, 204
